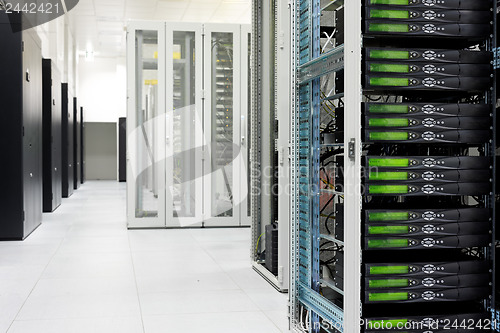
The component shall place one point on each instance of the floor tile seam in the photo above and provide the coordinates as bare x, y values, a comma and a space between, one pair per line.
75, 201
202, 313
136, 285
75, 318
36, 283
272, 321
232, 279
260, 308
217, 262
183, 291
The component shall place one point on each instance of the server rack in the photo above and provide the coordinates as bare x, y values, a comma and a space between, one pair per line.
344, 275
122, 149
67, 141
496, 230
270, 134
20, 129
52, 145
77, 145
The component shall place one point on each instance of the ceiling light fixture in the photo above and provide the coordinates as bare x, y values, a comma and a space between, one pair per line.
89, 55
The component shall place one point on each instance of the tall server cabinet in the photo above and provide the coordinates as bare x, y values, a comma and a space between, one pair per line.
67, 141
51, 137
77, 146
270, 135
393, 166
187, 117
82, 147
20, 130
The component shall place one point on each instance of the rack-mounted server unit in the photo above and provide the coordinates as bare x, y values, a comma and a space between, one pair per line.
52, 144
20, 129
428, 135
67, 141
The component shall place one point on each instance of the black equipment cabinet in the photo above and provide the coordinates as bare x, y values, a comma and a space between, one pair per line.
122, 149
82, 147
52, 146
76, 145
67, 142
20, 130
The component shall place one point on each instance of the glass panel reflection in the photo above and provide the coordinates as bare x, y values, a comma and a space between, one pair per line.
146, 196
184, 121
222, 123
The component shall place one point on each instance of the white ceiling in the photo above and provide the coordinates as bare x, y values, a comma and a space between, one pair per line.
99, 24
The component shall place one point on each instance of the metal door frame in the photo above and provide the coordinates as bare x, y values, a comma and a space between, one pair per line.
245, 218
158, 122
197, 220
237, 163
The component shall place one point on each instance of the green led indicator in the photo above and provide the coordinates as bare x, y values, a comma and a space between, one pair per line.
389, 68
389, 216
389, 162
394, 14
387, 189
388, 175
388, 230
389, 2
387, 270
388, 108
387, 243
390, 324
389, 81
389, 136
389, 122
389, 283
386, 54
379, 297
384, 27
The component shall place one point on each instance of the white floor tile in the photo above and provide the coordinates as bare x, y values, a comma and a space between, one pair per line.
192, 281
268, 299
72, 305
88, 286
94, 244
240, 322
246, 278
80, 325
278, 319
16, 272
196, 302
9, 308
91, 265
223, 235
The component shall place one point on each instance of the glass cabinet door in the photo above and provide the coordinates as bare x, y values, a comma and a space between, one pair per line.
222, 124
146, 125
184, 125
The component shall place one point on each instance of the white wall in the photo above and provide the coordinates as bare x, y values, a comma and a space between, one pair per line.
102, 89
101, 151
58, 45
